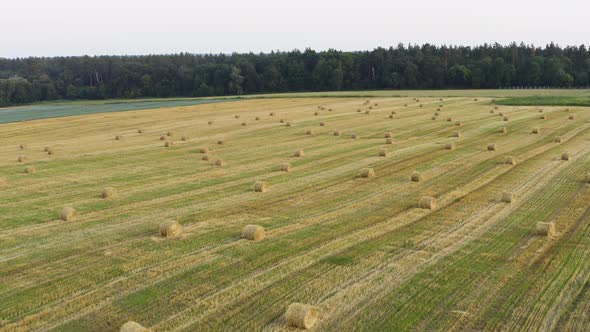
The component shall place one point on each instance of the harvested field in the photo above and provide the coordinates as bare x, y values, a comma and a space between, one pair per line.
354, 253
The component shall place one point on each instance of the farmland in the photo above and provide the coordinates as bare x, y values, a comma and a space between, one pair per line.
360, 249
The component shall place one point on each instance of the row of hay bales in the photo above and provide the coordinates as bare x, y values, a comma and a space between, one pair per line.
205, 154
542, 228
68, 213
297, 315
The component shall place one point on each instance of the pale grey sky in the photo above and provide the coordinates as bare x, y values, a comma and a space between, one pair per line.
77, 27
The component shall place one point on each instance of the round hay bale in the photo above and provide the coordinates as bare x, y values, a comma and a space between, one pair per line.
500, 113
50, 152
367, 173
46, 149
285, 167
309, 132
322, 124
510, 160
370, 107
416, 177
133, 327
456, 134
536, 130
543, 117
565, 156
492, 147
405, 105
383, 153
170, 229
205, 157
257, 118
30, 170
204, 150
495, 107
508, 197
505, 118
244, 124
540, 111
169, 144
118, 137
571, 117
388, 135
449, 119
68, 214
220, 142
391, 116
557, 139
253, 233
109, 192
545, 229
393, 112
271, 113
421, 105
427, 202
184, 138
504, 130
492, 111
298, 153
260, 187
330, 110
290, 124
458, 123
140, 131
475, 99
438, 109
21, 159
336, 133
162, 138
218, 162
587, 179
169, 133
354, 136
450, 146
367, 112
376, 104
358, 110
21, 146
435, 114
210, 122
316, 113
281, 121
237, 116
433, 117
388, 141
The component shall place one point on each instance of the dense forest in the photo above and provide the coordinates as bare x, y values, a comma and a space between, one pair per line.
25, 80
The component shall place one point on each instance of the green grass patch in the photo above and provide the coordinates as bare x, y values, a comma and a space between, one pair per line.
339, 260
546, 101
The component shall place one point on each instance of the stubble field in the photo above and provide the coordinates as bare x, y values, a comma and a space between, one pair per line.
359, 249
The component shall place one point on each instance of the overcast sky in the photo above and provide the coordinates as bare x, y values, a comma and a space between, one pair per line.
77, 27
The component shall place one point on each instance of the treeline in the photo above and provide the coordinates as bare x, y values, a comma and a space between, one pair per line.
25, 80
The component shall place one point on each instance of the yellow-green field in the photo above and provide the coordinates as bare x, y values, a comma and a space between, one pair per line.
359, 249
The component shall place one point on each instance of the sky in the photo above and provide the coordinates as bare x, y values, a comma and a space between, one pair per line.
133, 27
